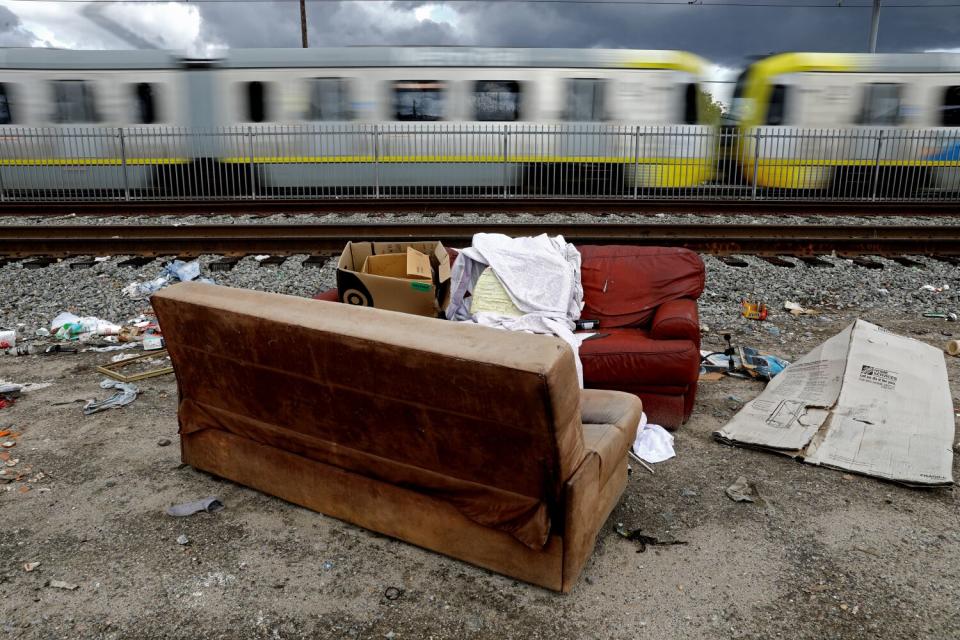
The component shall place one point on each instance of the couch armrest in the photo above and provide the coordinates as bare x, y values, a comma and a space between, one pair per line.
676, 320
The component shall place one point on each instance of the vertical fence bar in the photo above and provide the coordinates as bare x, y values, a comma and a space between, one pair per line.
756, 163
876, 167
376, 161
636, 162
251, 168
504, 144
123, 164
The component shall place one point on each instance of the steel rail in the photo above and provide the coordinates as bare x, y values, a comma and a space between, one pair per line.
512, 206
317, 239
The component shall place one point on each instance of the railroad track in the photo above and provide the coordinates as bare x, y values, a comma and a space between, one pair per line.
426, 207
325, 239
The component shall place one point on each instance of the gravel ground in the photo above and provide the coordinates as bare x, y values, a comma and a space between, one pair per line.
821, 555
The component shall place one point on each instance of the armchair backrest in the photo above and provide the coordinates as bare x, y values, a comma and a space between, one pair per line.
624, 285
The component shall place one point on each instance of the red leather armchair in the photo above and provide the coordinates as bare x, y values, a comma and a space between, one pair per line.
648, 343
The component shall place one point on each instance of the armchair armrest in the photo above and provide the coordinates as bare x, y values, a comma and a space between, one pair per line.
676, 320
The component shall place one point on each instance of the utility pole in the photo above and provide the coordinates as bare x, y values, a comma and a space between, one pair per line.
303, 22
874, 26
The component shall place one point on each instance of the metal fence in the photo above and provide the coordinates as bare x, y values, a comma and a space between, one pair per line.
479, 160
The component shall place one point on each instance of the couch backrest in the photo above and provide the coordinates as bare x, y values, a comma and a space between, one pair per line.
624, 285
446, 407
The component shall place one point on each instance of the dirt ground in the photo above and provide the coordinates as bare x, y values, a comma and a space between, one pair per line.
821, 555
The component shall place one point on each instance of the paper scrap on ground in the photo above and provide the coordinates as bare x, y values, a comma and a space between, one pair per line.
866, 400
210, 505
653, 443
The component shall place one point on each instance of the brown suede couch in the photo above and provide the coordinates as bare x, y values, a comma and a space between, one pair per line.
469, 441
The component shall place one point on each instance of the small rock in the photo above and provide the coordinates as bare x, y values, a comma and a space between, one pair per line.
688, 493
327, 565
109, 483
30, 566
390, 635
183, 539
60, 584
163, 442
741, 491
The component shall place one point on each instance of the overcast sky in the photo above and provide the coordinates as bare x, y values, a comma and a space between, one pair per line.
728, 35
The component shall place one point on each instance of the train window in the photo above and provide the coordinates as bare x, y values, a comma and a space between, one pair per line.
419, 100
329, 99
256, 101
881, 104
145, 103
73, 101
586, 100
951, 107
496, 100
777, 107
690, 98
5, 116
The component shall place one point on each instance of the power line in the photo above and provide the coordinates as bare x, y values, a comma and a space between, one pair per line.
664, 3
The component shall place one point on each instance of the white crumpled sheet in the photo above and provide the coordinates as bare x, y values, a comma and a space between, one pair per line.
653, 443
540, 274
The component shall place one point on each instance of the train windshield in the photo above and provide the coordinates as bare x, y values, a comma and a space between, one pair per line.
418, 100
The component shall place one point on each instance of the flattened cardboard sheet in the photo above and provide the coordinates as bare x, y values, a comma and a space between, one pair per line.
867, 401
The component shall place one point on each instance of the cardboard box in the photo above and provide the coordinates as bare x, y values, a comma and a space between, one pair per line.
867, 401
386, 275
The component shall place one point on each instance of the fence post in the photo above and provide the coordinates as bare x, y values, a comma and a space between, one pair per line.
376, 161
123, 164
503, 158
636, 163
756, 163
251, 168
876, 167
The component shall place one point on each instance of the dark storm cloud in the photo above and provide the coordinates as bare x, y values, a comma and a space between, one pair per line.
12, 32
727, 35
330, 24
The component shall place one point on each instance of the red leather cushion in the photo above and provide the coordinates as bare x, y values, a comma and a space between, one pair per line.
631, 357
623, 286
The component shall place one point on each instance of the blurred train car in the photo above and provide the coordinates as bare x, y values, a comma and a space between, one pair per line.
854, 124
302, 121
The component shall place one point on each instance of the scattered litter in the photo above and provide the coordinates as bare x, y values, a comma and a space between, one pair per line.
772, 329
261, 257
12, 462
796, 310
112, 347
60, 584
653, 443
953, 347
183, 539
688, 493
23, 387
6, 444
327, 565
392, 593
746, 363
163, 442
8, 339
852, 404
112, 370
126, 393
711, 376
24, 488
940, 289
210, 505
30, 566
741, 491
153, 342
949, 317
643, 539
68, 326
753, 310
175, 270
42, 333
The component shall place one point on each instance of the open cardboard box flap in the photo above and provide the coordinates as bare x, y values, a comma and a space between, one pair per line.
867, 401
425, 293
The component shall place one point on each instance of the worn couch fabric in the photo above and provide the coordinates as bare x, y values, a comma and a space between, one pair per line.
402, 424
649, 338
